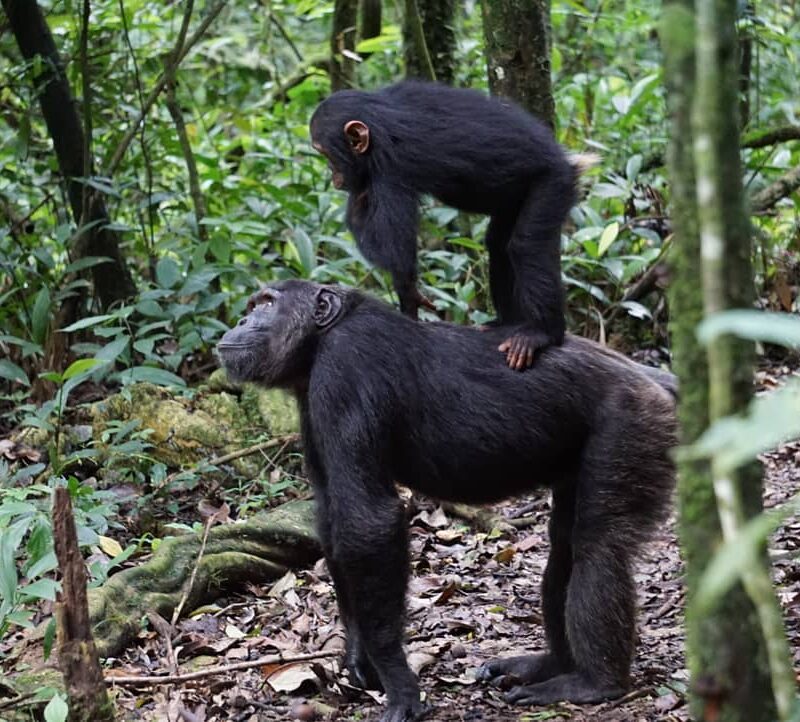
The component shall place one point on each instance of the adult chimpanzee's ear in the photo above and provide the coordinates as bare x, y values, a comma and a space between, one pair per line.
328, 306
357, 134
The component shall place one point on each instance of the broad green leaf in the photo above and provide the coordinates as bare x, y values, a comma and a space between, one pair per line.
609, 235
87, 262
80, 366
778, 328
112, 351
168, 273
736, 556
12, 372
41, 589
151, 375
56, 710
771, 420
40, 317
87, 322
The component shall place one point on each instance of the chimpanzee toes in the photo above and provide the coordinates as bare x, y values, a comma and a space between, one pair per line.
362, 674
506, 672
406, 712
572, 687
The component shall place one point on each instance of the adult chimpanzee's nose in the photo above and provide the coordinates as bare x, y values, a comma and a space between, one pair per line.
242, 322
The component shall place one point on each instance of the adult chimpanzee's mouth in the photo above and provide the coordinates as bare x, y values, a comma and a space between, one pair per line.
222, 346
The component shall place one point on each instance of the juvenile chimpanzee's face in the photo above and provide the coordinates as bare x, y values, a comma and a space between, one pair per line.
342, 146
273, 344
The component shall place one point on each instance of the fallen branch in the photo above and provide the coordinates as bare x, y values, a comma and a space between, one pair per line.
262, 446
766, 198
482, 519
763, 138
156, 680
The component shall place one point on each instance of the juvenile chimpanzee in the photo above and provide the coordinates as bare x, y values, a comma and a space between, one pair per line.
472, 152
384, 399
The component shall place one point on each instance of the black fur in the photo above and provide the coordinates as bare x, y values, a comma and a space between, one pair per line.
472, 152
430, 405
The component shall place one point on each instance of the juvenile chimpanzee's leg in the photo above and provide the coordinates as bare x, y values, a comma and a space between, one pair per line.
530, 668
535, 254
370, 553
501, 275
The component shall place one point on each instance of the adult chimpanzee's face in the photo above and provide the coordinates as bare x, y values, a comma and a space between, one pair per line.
273, 344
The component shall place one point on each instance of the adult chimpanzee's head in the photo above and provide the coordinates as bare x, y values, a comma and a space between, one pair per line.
274, 343
341, 132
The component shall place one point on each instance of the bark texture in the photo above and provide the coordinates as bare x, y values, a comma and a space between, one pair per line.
77, 656
518, 38
343, 41
438, 19
725, 651
113, 280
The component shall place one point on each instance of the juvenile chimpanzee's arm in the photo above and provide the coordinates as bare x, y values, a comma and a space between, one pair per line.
385, 219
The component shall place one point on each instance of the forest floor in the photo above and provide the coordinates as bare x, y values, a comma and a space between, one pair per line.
472, 596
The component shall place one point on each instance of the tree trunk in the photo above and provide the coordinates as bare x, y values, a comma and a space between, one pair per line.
77, 656
371, 19
112, 280
438, 29
343, 38
725, 650
518, 40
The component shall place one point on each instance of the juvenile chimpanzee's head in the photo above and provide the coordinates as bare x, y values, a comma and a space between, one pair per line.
274, 343
341, 132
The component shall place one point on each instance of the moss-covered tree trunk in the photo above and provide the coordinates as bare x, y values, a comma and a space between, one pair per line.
343, 41
518, 37
725, 650
437, 19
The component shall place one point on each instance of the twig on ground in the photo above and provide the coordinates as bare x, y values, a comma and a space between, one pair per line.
150, 681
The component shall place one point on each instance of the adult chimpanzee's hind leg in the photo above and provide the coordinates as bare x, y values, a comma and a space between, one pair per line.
531, 668
611, 519
535, 254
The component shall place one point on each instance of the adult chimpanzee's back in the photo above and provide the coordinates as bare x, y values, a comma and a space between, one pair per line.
474, 153
385, 399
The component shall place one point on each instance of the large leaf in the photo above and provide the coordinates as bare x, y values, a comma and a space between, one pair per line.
771, 421
152, 375
88, 322
779, 328
12, 372
40, 318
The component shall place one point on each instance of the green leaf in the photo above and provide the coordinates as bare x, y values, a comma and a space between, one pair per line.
87, 262
608, 236
736, 556
40, 318
151, 375
771, 420
12, 372
41, 589
168, 273
56, 710
112, 351
779, 328
80, 366
87, 322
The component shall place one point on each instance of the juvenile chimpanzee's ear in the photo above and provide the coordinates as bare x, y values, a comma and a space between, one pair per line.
327, 308
357, 134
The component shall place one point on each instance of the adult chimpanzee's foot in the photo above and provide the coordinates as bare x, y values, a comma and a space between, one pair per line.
521, 347
508, 672
361, 671
571, 687
406, 712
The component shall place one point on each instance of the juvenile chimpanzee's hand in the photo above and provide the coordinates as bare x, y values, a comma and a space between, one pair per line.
521, 348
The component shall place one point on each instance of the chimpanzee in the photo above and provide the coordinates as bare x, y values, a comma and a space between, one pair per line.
472, 152
385, 399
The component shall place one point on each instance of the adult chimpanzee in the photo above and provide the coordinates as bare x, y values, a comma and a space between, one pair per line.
472, 152
384, 399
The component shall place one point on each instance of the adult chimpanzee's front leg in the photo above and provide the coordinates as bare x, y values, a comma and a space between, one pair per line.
535, 254
369, 549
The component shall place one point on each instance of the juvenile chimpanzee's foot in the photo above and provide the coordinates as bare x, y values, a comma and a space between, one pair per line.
521, 347
406, 712
571, 687
508, 672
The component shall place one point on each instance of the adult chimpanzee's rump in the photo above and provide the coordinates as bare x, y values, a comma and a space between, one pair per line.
434, 407
472, 152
